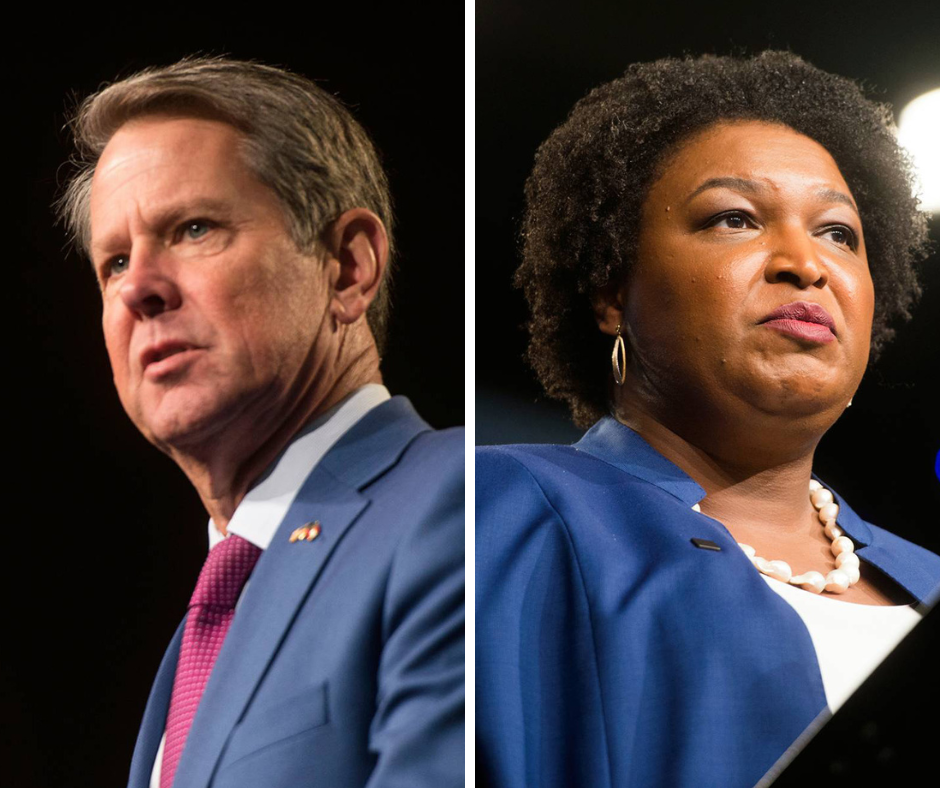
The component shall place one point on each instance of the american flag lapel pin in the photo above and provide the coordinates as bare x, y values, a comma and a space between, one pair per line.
306, 533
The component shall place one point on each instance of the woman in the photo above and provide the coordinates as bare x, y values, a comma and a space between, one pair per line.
713, 249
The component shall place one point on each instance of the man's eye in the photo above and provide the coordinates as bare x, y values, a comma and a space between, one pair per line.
117, 265
196, 229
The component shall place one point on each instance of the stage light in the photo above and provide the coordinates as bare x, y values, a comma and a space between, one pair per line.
919, 133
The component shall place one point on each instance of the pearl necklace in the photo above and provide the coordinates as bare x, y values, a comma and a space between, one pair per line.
837, 581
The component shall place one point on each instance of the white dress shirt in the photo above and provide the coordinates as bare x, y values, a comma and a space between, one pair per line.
263, 508
851, 640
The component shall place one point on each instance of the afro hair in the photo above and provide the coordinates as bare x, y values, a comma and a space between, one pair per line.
592, 175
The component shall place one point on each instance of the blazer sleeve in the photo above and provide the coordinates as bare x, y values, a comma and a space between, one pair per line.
539, 711
418, 728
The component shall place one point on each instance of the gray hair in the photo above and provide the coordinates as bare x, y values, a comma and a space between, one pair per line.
299, 140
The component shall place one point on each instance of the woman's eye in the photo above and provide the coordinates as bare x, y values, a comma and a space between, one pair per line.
842, 236
734, 221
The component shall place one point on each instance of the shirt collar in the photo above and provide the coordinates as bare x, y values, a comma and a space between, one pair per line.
261, 511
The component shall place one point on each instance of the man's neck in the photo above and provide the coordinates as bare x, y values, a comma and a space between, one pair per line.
224, 470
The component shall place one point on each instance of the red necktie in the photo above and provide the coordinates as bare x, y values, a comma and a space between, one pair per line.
210, 613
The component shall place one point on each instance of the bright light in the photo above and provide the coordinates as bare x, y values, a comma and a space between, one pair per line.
919, 132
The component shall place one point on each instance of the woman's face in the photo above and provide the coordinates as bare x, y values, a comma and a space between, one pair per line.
746, 218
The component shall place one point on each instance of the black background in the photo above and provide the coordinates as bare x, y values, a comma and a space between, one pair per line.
106, 536
534, 61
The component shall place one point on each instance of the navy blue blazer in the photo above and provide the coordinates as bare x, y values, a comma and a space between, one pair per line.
345, 663
612, 652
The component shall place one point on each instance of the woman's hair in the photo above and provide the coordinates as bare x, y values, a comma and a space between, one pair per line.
299, 140
592, 175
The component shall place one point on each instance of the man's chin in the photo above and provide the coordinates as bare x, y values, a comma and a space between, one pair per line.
183, 429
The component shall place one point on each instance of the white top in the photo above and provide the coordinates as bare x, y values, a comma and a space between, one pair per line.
263, 508
851, 640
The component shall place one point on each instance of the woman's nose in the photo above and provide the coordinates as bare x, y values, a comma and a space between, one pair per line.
795, 258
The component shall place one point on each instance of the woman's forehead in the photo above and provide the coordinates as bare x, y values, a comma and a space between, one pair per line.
748, 154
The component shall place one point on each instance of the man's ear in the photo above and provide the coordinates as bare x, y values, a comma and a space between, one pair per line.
357, 254
608, 308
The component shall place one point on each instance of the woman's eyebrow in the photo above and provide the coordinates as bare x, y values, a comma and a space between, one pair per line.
727, 182
753, 187
833, 195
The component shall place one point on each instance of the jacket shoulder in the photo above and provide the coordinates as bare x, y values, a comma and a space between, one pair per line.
517, 493
549, 472
520, 461
427, 475
445, 446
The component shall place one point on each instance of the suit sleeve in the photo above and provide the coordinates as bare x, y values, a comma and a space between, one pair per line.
418, 729
538, 707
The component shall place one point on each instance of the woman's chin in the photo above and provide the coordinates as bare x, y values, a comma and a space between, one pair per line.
812, 407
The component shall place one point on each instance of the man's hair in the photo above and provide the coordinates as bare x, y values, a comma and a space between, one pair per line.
592, 176
299, 140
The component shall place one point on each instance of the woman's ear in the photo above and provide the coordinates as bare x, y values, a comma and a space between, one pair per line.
357, 254
607, 303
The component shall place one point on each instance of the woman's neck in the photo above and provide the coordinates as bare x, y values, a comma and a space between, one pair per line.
762, 485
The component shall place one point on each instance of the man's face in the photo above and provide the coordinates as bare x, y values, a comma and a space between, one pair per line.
213, 320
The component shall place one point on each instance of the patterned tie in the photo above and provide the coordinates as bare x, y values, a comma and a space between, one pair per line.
210, 612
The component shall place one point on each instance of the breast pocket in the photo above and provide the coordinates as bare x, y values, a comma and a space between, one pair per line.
277, 722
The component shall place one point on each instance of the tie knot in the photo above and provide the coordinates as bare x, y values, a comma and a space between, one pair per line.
224, 573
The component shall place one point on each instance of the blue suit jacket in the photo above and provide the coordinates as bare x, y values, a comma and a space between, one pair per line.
344, 665
613, 652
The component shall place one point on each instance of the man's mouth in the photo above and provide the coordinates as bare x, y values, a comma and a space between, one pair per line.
163, 350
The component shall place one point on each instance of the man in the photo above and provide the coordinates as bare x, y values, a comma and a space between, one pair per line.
238, 223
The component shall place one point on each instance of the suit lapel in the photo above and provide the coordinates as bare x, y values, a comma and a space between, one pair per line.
285, 574
154, 722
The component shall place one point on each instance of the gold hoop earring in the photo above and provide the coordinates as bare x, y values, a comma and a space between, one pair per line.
618, 359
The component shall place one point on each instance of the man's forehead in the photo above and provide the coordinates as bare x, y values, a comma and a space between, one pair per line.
148, 146
183, 131
158, 167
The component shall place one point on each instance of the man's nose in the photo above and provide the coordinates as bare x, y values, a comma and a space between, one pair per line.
149, 287
795, 258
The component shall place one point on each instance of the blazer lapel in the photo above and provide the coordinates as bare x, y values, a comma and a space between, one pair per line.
618, 445
154, 722
285, 574
896, 560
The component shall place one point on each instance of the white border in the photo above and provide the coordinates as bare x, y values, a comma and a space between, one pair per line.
469, 387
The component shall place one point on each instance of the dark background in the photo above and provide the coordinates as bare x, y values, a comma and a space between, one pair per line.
534, 61
107, 537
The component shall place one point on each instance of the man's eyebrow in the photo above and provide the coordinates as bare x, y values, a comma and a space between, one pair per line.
753, 187
169, 217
